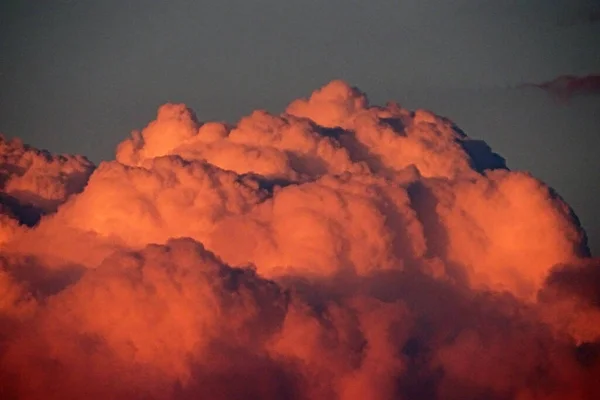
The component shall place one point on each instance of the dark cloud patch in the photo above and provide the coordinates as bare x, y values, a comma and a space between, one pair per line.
566, 87
581, 280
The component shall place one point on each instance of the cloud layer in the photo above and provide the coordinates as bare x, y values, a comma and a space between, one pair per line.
338, 250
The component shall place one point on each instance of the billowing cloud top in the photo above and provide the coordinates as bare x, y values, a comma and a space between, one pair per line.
33, 183
338, 250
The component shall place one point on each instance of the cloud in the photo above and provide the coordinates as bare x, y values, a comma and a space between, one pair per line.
338, 250
164, 309
34, 183
572, 301
566, 87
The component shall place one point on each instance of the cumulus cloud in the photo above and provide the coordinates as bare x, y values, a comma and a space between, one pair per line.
338, 250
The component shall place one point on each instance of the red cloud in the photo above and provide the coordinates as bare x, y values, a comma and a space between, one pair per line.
336, 251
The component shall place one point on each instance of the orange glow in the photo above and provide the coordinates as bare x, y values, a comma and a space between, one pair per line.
336, 251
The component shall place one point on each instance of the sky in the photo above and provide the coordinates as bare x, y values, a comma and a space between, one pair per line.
76, 76
314, 241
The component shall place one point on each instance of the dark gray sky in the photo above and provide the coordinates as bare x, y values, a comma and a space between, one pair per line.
77, 75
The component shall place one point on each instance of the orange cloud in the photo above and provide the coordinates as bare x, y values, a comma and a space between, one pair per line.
34, 183
338, 250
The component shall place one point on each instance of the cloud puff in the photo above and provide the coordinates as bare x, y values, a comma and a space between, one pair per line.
162, 309
332, 132
338, 250
571, 299
34, 183
507, 229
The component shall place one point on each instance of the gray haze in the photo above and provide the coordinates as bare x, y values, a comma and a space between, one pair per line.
77, 76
